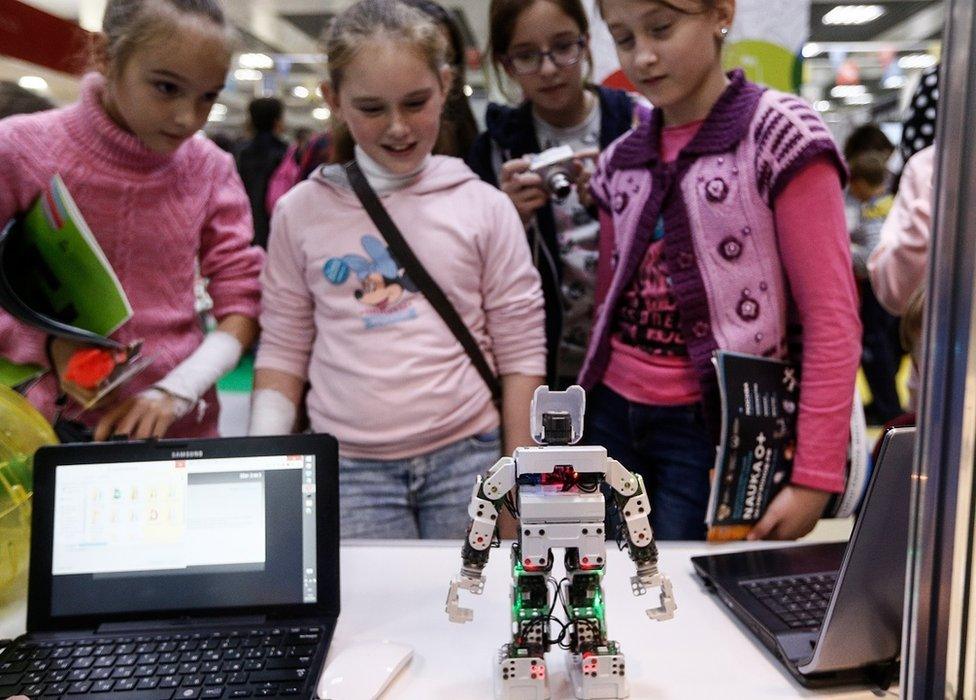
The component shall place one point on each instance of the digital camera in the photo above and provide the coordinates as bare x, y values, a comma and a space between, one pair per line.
555, 166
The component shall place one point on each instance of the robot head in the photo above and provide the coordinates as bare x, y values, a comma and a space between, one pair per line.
557, 416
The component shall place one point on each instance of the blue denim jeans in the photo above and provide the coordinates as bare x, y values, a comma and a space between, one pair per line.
421, 497
667, 445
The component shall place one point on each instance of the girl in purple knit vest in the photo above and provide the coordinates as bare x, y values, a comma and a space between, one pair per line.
161, 204
722, 227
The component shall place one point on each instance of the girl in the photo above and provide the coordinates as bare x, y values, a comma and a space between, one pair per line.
724, 214
542, 46
159, 202
414, 419
458, 126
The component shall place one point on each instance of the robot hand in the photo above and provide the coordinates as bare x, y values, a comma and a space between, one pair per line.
475, 584
643, 580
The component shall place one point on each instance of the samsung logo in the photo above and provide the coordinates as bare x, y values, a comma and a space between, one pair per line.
187, 454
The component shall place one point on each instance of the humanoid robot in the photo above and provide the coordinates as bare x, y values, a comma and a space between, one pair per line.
553, 490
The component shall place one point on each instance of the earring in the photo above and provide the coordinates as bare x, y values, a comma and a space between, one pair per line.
724, 32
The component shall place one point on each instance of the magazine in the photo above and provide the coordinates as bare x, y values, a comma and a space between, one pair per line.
17, 377
55, 277
55, 268
760, 404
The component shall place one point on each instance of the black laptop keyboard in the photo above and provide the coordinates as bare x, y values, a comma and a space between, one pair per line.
240, 663
799, 601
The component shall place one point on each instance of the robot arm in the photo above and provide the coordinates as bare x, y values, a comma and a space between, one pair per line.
634, 506
487, 501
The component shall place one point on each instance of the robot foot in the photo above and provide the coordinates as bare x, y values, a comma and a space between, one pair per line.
523, 678
598, 676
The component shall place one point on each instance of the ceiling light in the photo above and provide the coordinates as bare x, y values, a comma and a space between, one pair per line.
321, 113
33, 82
468, 91
893, 82
810, 50
848, 15
821, 105
917, 60
847, 90
301, 92
218, 112
255, 60
247, 74
864, 99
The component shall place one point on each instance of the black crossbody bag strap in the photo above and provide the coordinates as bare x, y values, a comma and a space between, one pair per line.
416, 271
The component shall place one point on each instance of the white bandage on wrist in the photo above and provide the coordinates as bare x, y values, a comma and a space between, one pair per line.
272, 413
180, 405
217, 355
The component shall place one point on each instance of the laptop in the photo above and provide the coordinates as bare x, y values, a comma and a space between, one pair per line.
832, 613
180, 569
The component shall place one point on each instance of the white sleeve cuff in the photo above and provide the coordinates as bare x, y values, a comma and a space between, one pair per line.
272, 413
217, 355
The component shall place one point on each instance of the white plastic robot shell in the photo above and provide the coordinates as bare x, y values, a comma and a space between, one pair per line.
544, 460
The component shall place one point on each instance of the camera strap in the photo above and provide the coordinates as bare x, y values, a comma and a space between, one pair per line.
420, 277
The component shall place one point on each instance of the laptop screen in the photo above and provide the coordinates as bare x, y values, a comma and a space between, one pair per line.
184, 533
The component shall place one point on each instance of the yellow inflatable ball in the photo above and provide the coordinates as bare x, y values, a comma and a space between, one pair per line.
22, 431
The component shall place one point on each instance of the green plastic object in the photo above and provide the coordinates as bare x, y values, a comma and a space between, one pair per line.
22, 431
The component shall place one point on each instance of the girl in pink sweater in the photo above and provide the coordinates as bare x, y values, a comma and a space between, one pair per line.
414, 419
723, 226
159, 202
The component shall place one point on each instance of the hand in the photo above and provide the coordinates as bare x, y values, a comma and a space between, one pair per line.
791, 514
583, 165
462, 581
148, 414
524, 188
666, 603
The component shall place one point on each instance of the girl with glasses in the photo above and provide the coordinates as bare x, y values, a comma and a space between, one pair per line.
542, 46
724, 210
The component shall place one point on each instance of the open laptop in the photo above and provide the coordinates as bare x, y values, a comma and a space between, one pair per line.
180, 569
832, 613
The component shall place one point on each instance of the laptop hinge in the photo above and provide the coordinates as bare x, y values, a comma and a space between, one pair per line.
183, 623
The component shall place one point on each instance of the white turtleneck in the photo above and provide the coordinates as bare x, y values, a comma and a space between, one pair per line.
382, 180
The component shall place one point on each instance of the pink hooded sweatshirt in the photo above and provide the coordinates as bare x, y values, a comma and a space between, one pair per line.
387, 377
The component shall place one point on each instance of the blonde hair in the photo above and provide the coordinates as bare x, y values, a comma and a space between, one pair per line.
128, 24
365, 22
910, 328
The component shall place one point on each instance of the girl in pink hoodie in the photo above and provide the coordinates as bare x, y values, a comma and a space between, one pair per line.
160, 203
414, 419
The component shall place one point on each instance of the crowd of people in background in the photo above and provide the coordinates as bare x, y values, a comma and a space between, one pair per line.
687, 231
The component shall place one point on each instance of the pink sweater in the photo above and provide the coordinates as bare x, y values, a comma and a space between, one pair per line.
388, 378
897, 265
155, 217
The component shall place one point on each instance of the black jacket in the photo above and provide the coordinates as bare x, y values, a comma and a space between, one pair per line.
256, 162
513, 132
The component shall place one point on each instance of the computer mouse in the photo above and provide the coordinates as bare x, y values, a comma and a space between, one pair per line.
362, 671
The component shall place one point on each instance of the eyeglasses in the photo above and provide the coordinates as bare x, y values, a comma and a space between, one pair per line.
529, 61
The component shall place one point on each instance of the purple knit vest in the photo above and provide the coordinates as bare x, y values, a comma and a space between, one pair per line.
716, 199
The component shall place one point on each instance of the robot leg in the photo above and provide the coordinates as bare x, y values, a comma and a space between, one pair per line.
597, 665
521, 672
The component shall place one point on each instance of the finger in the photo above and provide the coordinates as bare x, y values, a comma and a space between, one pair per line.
534, 196
163, 424
528, 180
130, 420
103, 430
514, 166
147, 424
587, 153
761, 530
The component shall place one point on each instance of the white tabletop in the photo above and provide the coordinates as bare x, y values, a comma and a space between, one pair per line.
396, 591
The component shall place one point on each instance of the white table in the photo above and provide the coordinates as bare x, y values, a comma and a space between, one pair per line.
396, 591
